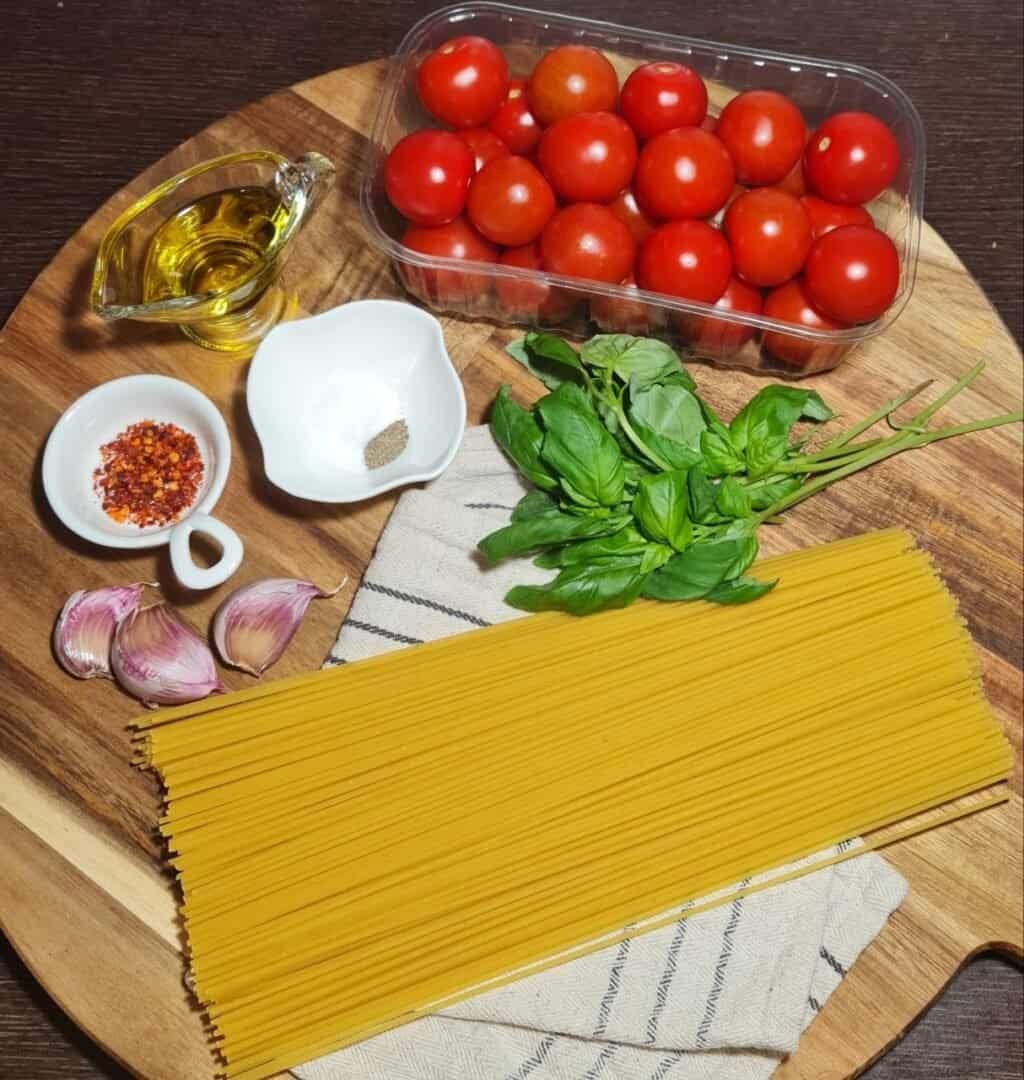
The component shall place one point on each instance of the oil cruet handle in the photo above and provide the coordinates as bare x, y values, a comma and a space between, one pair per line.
308, 179
185, 569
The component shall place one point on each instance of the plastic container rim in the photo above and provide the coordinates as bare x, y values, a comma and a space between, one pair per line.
372, 160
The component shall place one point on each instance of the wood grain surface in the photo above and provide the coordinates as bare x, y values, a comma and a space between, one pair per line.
125, 818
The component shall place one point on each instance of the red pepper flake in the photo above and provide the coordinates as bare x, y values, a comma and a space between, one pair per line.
151, 474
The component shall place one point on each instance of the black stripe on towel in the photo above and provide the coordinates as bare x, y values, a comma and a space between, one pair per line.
664, 1065
718, 980
595, 1070
488, 506
614, 983
832, 962
535, 1060
422, 601
334, 661
391, 635
814, 1003
665, 982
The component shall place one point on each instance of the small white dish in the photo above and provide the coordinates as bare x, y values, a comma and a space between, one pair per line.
319, 389
72, 455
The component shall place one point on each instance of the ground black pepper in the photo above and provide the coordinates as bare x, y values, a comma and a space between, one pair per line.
384, 447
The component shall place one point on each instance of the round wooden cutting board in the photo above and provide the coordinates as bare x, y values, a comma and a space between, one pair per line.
82, 893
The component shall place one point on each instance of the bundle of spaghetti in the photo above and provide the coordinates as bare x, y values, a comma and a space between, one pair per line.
359, 846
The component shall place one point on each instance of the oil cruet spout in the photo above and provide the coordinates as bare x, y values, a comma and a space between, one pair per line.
206, 249
303, 183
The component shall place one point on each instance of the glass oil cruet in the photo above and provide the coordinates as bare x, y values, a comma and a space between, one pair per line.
206, 249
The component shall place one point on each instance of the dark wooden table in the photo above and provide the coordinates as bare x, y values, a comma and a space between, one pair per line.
92, 92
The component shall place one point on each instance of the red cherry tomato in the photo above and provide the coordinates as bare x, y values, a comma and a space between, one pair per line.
789, 303
484, 145
456, 240
531, 300
620, 315
625, 208
686, 173
825, 216
426, 176
587, 240
572, 79
661, 96
720, 336
764, 132
769, 234
851, 158
513, 123
463, 81
709, 123
588, 157
509, 201
852, 273
685, 258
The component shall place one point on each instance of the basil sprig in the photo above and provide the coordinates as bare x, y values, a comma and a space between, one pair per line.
642, 490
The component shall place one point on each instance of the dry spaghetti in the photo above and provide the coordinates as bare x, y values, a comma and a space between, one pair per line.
360, 846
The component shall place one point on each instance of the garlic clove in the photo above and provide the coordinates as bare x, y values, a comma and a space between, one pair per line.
84, 630
160, 659
253, 626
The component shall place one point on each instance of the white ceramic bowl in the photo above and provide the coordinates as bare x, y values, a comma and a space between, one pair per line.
72, 455
320, 388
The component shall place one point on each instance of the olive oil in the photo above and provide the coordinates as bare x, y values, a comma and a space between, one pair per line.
212, 244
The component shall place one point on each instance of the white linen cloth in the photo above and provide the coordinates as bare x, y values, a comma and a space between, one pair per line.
723, 995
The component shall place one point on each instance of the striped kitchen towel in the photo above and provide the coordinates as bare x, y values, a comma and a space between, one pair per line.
724, 994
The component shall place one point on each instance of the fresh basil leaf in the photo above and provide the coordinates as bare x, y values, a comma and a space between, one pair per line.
720, 456
552, 373
577, 496
545, 530
603, 350
532, 504
660, 506
672, 412
642, 361
740, 590
609, 417
673, 454
626, 543
761, 429
732, 499
578, 447
583, 589
635, 472
577, 397
552, 347
696, 571
782, 406
765, 453
744, 532
646, 361
816, 409
700, 495
655, 555
519, 435
764, 493
552, 558
667, 420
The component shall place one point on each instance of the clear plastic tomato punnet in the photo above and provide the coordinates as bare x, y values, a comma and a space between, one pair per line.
577, 308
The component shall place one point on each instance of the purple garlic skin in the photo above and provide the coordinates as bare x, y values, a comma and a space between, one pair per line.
161, 660
255, 623
84, 631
